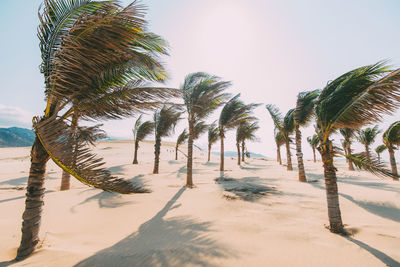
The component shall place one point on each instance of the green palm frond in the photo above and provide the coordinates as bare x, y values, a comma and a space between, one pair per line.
348, 134
305, 104
144, 130
313, 141
136, 126
213, 133
182, 137
68, 149
367, 136
361, 161
246, 131
165, 120
391, 137
379, 149
276, 116
279, 139
288, 123
199, 128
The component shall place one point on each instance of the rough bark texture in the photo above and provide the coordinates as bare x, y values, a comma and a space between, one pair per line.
348, 152
221, 164
315, 158
393, 163
334, 215
278, 155
66, 177
189, 167
299, 154
238, 152
157, 149
243, 145
209, 152
135, 161
34, 201
288, 156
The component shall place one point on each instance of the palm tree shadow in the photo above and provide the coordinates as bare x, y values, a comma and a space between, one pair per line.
177, 241
378, 254
105, 199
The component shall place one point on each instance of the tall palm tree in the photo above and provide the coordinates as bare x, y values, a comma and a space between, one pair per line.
165, 120
391, 138
179, 141
213, 136
367, 137
314, 142
285, 126
279, 141
379, 149
233, 113
140, 131
357, 98
245, 131
303, 114
202, 94
90, 52
348, 135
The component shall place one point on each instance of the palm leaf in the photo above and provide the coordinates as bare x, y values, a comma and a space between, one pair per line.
165, 120
361, 161
368, 135
379, 149
144, 130
304, 110
199, 128
391, 137
213, 133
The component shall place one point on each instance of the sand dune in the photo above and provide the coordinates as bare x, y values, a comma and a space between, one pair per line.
253, 215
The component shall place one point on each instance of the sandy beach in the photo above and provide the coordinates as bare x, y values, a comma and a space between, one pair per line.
256, 215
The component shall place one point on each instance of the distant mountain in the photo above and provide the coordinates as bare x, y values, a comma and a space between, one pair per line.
16, 137
234, 154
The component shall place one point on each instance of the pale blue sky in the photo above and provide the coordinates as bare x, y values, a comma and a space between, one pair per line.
271, 50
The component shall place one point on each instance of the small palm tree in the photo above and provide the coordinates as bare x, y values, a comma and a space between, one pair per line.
165, 120
233, 113
140, 131
245, 131
303, 114
202, 94
367, 137
379, 150
314, 142
355, 99
285, 126
279, 141
348, 135
213, 136
391, 138
181, 139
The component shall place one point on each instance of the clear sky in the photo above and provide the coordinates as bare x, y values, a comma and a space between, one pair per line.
270, 50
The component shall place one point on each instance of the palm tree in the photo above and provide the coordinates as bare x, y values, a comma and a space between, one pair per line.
165, 120
140, 131
367, 137
379, 150
90, 53
285, 126
279, 141
181, 139
245, 131
391, 138
314, 142
213, 135
303, 114
233, 113
348, 135
357, 98
202, 94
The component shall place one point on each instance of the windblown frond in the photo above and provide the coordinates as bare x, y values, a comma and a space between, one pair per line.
144, 130
367, 136
182, 137
165, 120
313, 141
304, 110
279, 139
379, 149
361, 161
246, 131
391, 137
288, 123
348, 134
68, 149
199, 128
213, 133
276, 116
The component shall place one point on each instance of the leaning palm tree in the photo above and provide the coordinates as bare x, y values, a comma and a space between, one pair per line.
165, 121
285, 126
379, 149
314, 142
357, 98
391, 138
367, 137
140, 131
279, 141
303, 114
179, 141
233, 113
202, 94
247, 133
213, 136
90, 52
348, 135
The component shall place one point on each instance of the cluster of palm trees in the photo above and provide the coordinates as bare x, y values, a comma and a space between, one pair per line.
357, 98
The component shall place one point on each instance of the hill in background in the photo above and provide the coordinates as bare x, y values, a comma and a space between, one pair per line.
16, 137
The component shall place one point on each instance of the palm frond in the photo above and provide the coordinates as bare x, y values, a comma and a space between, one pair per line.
304, 110
279, 139
367, 136
288, 123
213, 133
165, 120
391, 137
199, 128
313, 141
379, 149
144, 130
182, 137
347, 133
361, 161
276, 116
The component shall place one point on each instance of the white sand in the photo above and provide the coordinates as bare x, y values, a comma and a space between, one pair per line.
204, 226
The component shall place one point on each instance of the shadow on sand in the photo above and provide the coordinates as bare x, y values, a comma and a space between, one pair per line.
178, 241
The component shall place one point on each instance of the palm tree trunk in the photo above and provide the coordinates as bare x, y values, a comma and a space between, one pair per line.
176, 152
349, 162
393, 162
238, 151
288, 156
189, 167
367, 152
66, 176
313, 151
34, 200
157, 150
209, 152
243, 146
135, 161
334, 215
221, 163
278, 155
299, 154
379, 157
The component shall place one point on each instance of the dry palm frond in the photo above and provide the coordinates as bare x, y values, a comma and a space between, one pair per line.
68, 149
361, 161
